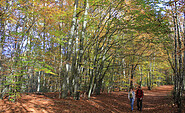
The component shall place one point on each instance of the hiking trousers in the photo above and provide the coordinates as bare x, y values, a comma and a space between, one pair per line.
139, 104
131, 103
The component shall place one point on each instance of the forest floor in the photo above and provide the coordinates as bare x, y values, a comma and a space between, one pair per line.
157, 100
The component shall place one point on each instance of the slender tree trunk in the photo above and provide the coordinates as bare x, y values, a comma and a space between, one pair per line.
175, 59
180, 82
75, 66
150, 76
132, 75
60, 70
183, 74
38, 84
153, 69
123, 69
133, 68
141, 74
91, 83
91, 72
99, 86
65, 78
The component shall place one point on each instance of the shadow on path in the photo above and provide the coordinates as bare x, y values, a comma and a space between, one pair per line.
157, 100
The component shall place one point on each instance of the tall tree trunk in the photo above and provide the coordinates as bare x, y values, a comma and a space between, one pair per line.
124, 71
90, 83
75, 66
183, 74
180, 78
150, 76
141, 74
91, 75
64, 87
133, 68
39, 78
153, 69
60, 69
61, 55
132, 75
175, 58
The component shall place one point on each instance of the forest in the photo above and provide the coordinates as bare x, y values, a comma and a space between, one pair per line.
91, 47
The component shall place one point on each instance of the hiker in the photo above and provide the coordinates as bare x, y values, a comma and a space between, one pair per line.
139, 96
131, 97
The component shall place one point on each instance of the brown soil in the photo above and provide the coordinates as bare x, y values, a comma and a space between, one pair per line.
157, 100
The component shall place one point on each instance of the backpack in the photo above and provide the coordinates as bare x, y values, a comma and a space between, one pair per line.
131, 95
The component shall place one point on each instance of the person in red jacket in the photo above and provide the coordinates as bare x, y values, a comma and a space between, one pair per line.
139, 96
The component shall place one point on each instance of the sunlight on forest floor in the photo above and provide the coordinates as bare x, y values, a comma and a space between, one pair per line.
156, 100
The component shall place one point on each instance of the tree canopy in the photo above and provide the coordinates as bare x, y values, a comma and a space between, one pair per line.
69, 46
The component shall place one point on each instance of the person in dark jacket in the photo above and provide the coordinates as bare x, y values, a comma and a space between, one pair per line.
139, 96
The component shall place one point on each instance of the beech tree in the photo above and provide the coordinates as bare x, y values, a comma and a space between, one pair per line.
74, 46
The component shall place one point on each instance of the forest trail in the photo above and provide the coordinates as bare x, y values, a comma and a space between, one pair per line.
157, 100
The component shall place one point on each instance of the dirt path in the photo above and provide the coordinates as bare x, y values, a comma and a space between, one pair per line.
156, 101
